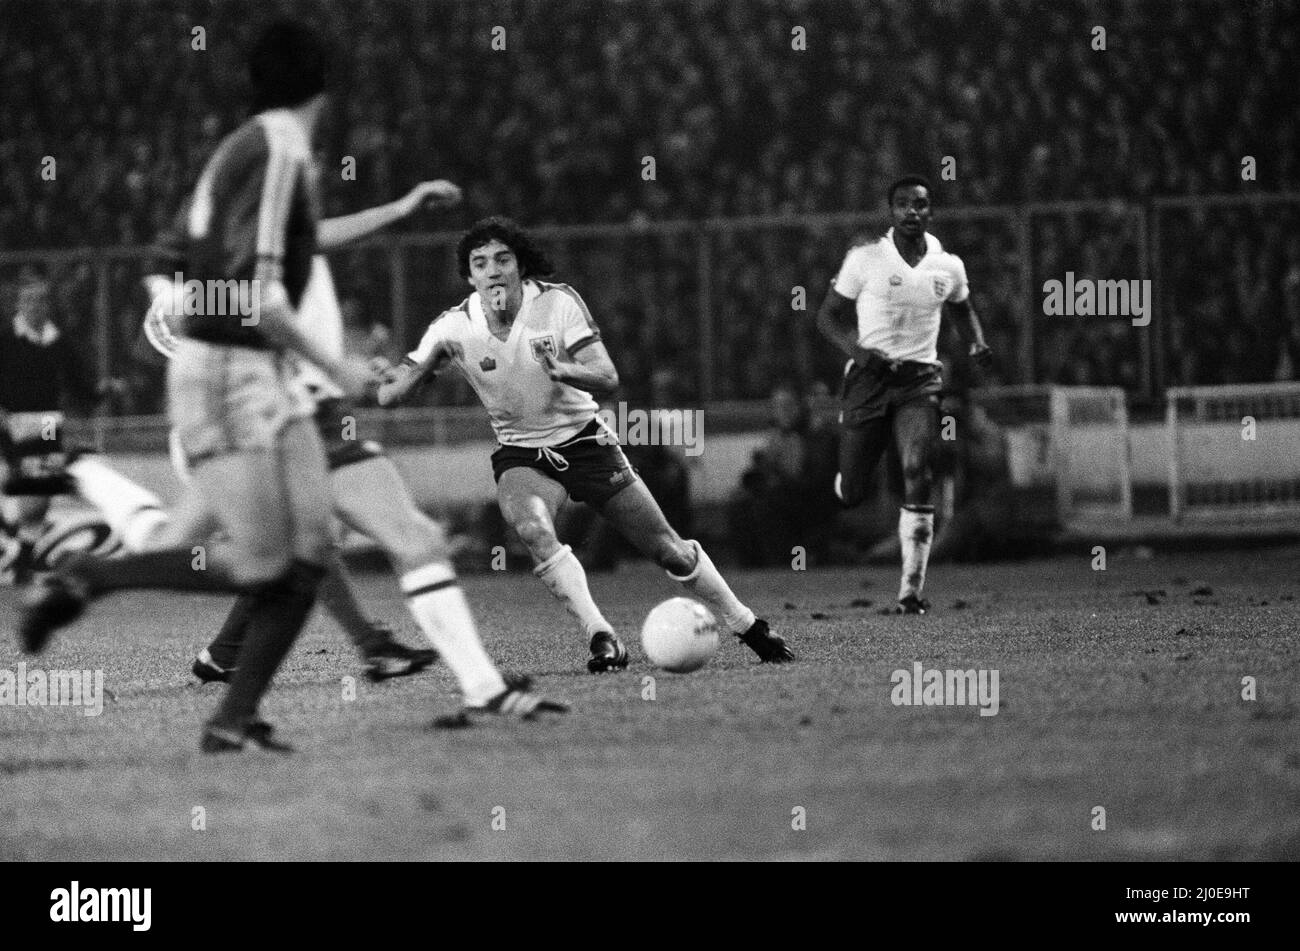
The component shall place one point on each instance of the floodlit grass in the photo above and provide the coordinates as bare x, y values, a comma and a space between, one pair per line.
1105, 700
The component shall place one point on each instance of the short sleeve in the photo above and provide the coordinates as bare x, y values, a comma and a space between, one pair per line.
852, 277
438, 331
960, 289
577, 327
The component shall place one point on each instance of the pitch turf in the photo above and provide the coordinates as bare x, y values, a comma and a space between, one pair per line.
1107, 699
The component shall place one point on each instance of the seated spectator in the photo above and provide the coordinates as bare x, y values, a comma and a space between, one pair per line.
786, 497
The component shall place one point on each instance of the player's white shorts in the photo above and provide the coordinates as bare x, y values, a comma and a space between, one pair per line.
227, 399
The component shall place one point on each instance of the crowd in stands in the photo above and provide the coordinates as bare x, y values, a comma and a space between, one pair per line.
757, 107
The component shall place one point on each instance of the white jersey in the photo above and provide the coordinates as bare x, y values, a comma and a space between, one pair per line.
526, 406
318, 315
898, 305
321, 320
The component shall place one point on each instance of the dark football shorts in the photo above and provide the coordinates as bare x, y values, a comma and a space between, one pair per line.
875, 391
331, 420
35, 455
590, 470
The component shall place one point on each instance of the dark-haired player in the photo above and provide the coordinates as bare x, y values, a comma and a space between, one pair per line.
371, 497
247, 435
534, 356
369, 494
884, 312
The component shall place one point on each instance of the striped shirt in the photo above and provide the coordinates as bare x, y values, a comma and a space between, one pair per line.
256, 202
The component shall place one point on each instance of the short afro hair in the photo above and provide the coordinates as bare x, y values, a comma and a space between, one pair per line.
532, 261
907, 181
287, 66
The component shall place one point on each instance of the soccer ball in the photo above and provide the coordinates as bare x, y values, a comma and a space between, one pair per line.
679, 635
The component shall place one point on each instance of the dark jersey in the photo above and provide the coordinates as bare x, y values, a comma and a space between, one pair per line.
255, 203
37, 377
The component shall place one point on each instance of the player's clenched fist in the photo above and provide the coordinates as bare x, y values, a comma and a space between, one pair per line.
438, 193
353, 376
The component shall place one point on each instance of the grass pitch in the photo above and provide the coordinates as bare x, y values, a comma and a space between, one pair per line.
1119, 688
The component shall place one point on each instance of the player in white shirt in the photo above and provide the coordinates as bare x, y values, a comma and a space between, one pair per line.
370, 497
534, 356
897, 288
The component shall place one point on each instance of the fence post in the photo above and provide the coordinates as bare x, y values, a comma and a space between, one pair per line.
1157, 292
1147, 346
704, 263
397, 286
1024, 239
103, 339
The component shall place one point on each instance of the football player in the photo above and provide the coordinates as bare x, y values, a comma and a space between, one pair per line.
369, 497
883, 311
256, 457
381, 653
534, 355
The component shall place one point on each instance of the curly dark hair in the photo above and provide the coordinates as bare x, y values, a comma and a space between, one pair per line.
533, 262
288, 65
908, 180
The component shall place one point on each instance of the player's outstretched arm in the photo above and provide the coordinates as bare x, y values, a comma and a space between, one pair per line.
334, 233
970, 330
277, 322
591, 369
396, 383
835, 321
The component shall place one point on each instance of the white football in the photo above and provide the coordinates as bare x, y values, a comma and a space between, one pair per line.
679, 635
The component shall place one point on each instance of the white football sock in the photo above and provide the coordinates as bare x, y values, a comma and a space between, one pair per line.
915, 530
129, 509
439, 607
562, 573
705, 581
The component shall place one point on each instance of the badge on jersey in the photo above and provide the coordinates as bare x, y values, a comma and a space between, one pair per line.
542, 346
486, 364
940, 285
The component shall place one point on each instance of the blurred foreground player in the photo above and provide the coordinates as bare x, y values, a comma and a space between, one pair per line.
370, 496
533, 354
370, 509
897, 287
256, 459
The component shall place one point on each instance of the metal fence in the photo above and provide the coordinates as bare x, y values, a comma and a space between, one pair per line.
721, 309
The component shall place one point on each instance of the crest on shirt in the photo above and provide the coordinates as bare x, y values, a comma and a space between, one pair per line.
486, 364
895, 280
940, 286
542, 346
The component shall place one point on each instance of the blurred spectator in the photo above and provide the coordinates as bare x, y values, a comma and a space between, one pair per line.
786, 497
554, 131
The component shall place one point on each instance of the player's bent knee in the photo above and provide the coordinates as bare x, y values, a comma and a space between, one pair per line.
675, 555
421, 541
850, 491
536, 533
251, 570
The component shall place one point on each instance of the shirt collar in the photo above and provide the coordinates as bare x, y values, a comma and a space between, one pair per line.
932, 244
287, 122
531, 290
